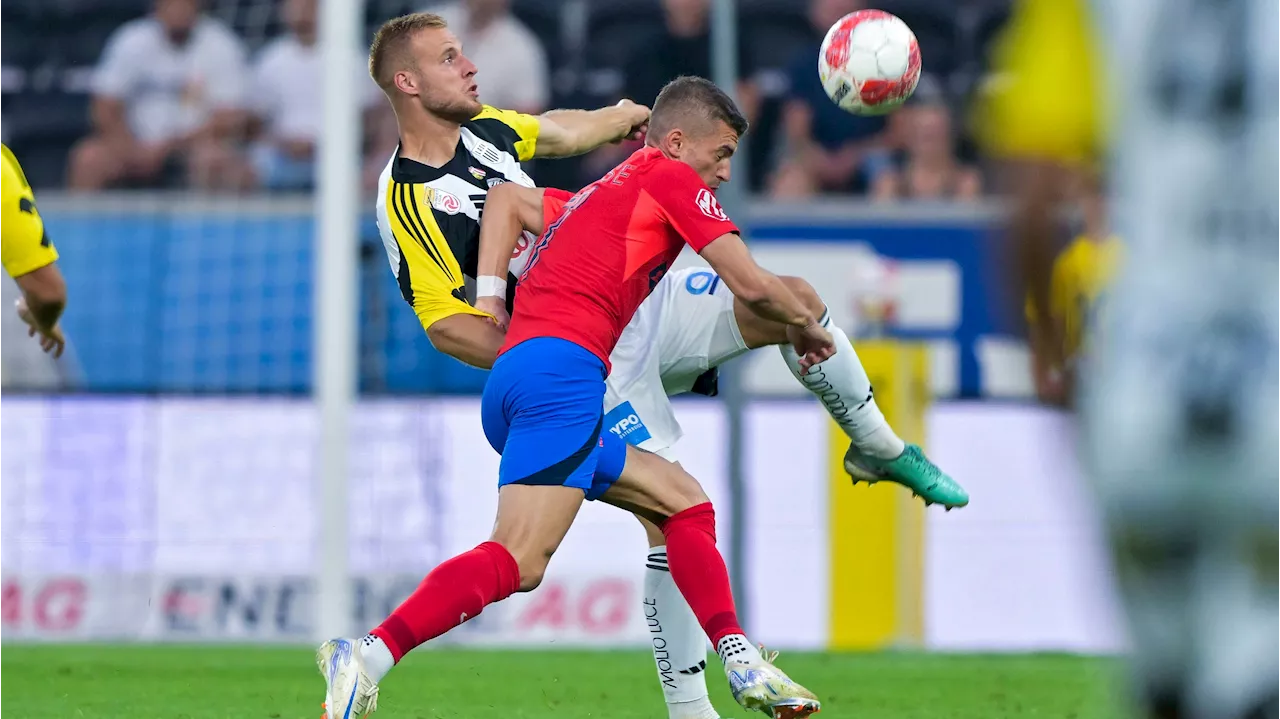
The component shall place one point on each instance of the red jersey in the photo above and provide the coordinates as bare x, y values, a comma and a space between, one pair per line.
609, 247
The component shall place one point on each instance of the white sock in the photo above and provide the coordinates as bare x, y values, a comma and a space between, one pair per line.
842, 386
377, 657
736, 648
679, 644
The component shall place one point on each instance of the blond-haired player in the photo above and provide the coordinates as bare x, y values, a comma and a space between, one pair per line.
30, 258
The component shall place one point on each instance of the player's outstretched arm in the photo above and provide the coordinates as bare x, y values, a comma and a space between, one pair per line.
768, 296
758, 288
565, 133
44, 296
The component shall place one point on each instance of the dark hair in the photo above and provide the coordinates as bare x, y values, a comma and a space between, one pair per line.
689, 98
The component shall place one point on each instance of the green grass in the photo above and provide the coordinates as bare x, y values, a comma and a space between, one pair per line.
155, 682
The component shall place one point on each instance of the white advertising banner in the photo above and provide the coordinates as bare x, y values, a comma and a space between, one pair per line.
1024, 567
191, 519
194, 519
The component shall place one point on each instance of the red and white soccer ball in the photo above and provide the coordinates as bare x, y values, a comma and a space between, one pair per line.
869, 62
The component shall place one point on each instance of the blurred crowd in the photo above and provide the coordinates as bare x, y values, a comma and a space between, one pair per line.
224, 95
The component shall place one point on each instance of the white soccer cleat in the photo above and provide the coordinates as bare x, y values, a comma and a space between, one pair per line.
764, 688
349, 692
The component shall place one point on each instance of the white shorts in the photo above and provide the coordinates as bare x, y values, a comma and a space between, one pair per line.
683, 329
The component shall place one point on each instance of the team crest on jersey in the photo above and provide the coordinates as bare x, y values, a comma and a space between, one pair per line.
476, 172
443, 201
710, 206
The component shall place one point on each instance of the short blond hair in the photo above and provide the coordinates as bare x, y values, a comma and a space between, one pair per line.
389, 52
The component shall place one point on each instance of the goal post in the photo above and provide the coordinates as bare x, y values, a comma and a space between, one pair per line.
336, 305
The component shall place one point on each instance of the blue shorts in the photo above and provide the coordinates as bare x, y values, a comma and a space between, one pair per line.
543, 411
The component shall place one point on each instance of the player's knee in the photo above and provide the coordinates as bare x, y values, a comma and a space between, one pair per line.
681, 491
533, 567
652, 532
806, 294
531, 557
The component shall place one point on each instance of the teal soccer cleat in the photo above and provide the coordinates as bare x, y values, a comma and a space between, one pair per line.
912, 470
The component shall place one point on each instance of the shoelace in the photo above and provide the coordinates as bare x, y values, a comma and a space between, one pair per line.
766, 654
916, 459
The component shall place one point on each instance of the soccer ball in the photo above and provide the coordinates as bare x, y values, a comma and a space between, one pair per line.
869, 62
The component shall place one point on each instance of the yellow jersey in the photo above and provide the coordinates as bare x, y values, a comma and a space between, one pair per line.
429, 217
1044, 101
26, 247
1082, 273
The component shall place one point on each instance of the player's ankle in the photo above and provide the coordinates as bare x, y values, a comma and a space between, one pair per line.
735, 648
699, 708
377, 656
879, 440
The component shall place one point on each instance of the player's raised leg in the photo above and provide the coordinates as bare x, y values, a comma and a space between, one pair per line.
876, 452
663, 493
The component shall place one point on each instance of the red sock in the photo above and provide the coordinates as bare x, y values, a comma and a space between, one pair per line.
699, 572
452, 593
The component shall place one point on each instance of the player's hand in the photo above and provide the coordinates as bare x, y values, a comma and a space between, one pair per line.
51, 341
813, 343
638, 115
497, 307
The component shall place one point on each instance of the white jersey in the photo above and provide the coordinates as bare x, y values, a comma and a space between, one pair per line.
684, 328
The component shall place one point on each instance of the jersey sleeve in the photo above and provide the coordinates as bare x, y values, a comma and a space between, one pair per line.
1044, 102
512, 131
688, 204
25, 246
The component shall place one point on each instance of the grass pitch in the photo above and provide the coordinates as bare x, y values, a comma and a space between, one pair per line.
224, 682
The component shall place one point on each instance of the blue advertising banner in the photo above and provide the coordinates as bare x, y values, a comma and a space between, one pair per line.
216, 296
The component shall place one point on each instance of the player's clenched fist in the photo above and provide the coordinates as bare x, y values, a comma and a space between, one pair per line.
813, 343
496, 306
51, 339
637, 116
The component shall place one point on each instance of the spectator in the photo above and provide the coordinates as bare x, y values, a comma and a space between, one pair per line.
927, 168
168, 104
827, 149
513, 65
682, 47
1082, 273
287, 107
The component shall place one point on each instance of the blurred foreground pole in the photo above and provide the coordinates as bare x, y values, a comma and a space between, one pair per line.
724, 72
335, 303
